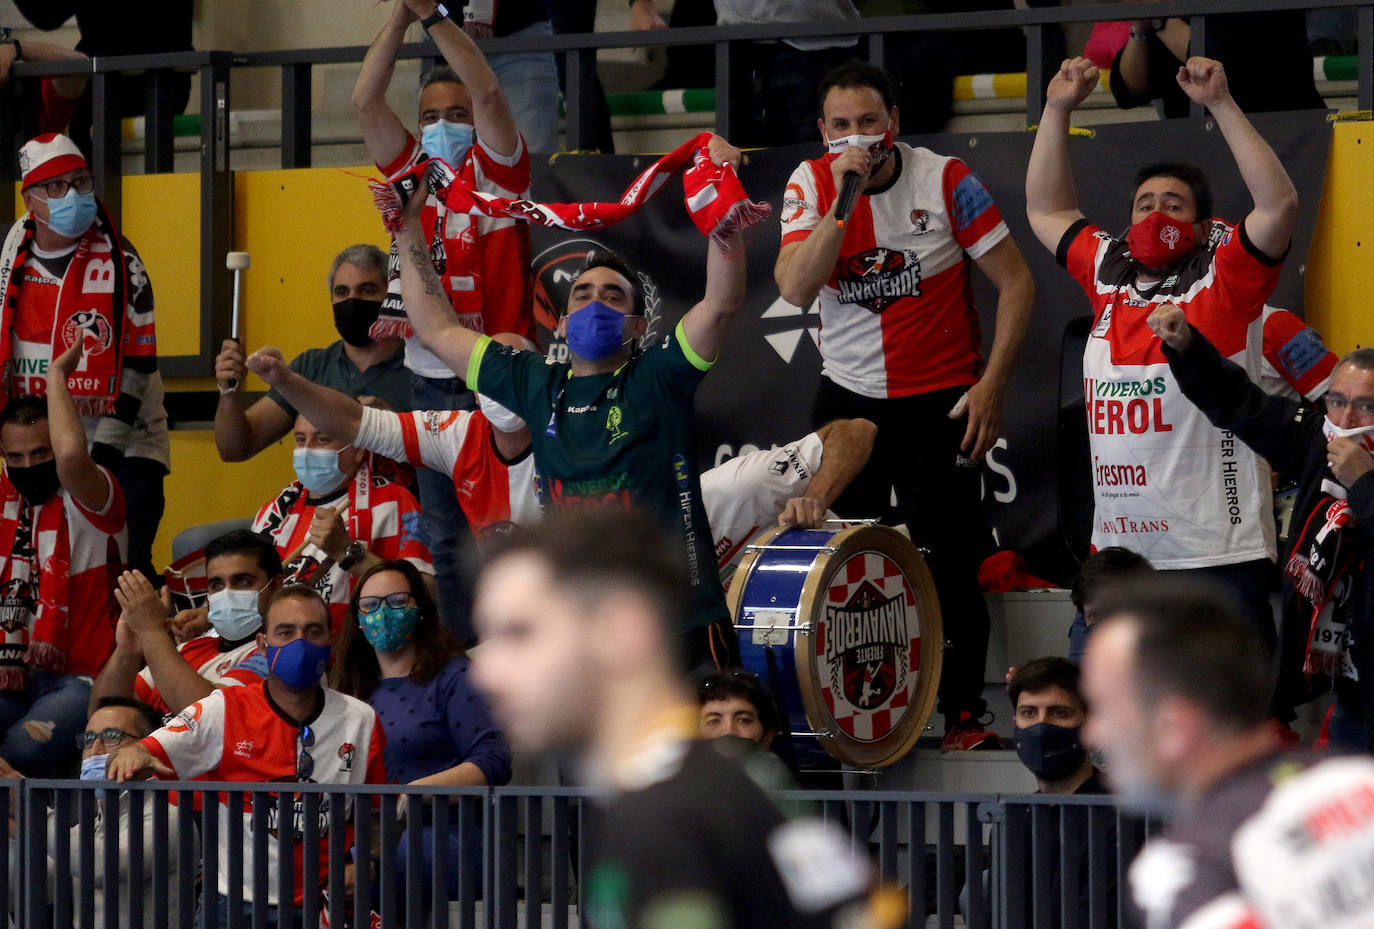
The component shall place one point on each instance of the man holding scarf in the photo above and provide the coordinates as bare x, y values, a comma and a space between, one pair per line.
62, 539
613, 427
1169, 486
901, 345
481, 262
1328, 608
68, 276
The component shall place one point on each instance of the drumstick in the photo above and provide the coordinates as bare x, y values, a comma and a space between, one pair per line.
236, 262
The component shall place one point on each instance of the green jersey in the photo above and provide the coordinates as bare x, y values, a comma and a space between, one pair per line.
622, 439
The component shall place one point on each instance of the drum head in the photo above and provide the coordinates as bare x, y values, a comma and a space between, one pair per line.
873, 645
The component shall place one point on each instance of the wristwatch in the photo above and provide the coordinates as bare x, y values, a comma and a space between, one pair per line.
355, 553
439, 15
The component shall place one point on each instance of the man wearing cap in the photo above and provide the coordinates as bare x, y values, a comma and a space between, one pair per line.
67, 275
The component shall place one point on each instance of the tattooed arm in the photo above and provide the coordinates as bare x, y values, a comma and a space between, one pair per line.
427, 307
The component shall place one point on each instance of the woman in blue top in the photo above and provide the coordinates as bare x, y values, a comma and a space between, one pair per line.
395, 654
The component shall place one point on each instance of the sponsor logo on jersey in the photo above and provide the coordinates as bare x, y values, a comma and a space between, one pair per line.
614, 418
680, 472
920, 222
347, 752
1302, 353
793, 199
1142, 413
1115, 475
244, 749
778, 468
971, 201
187, 720
878, 277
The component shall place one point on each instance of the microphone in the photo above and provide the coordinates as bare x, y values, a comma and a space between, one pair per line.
849, 195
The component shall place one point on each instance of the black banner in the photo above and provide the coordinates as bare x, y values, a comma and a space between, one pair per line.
760, 391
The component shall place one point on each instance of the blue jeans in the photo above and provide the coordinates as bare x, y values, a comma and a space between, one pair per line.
530, 82
41, 724
442, 523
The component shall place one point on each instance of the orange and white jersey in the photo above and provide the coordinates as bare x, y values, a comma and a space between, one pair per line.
493, 494
897, 314
244, 664
236, 734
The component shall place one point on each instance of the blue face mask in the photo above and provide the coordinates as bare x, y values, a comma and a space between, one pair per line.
447, 141
71, 215
299, 664
389, 629
318, 469
596, 331
93, 768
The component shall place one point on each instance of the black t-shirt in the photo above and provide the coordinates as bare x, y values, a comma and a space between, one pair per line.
703, 846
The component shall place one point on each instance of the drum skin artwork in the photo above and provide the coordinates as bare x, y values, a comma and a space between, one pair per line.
845, 627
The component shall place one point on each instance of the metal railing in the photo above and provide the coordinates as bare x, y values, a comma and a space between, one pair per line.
990, 860
18, 101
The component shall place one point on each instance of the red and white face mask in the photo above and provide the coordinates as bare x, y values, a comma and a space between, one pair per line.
1159, 240
1363, 436
879, 147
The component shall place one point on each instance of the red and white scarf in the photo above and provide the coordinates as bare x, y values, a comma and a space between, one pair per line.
715, 199
1326, 550
90, 307
34, 627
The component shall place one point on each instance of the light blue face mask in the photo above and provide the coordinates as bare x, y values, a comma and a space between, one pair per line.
71, 215
447, 141
318, 469
93, 768
234, 613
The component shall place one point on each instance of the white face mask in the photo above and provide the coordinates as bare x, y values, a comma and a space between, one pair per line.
501, 419
1363, 436
879, 147
234, 613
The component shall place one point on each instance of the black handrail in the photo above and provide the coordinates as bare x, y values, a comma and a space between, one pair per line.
17, 112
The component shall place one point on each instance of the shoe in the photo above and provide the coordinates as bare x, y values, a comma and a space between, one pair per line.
968, 735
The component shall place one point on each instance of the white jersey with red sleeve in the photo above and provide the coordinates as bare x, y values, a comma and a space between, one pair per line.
745, 495
492, 288
494, 494
237, 734
381, 514
897, 314
1167, 483
243, 664
1297, 363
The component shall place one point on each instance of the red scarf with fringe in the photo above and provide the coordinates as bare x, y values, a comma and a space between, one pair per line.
34, 628
1326, 550
715, 199
90, 307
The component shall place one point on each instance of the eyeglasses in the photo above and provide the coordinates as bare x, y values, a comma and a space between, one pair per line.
305, 765
110, 738
397, 600
58, 189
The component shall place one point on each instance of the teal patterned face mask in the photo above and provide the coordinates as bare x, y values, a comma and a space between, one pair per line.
390, 628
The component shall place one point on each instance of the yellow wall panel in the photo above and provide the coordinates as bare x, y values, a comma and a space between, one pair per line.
293, 223
161, 216
1340, 264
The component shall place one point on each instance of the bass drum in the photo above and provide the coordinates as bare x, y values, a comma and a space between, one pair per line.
845, 628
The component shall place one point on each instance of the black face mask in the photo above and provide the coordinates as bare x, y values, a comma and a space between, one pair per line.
35, 483
1050, 752
354, 317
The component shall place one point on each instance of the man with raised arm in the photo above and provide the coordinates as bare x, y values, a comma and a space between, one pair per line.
1168, 484
614, 425
901, 346
482, 263
62, 538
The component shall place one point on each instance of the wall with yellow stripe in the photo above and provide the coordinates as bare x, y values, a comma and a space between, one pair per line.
294, 222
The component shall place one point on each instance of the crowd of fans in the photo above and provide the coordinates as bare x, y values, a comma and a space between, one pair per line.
332, 646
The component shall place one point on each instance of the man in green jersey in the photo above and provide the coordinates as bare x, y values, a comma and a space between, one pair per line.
613, 426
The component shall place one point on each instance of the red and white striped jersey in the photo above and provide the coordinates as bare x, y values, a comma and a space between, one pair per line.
381, 514
1168, 484
237, 735
494, 284
493, 494
245, 664
897, 315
